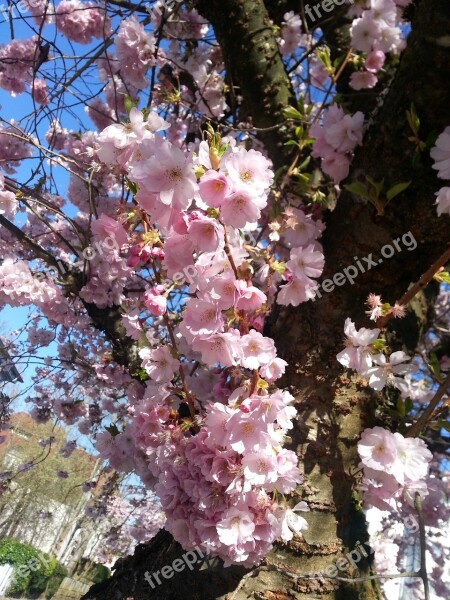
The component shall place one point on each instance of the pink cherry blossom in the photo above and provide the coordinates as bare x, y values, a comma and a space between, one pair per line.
205, 234
274, 369
240, 208
244, 433
249, 297
363, 80
202, 318
155, 302
222, 348
213, 188
8, 202
374, 61
443, 201
306, 262
249, 171
256, 350
440, 153
378, 449
235, 528
106, 227
296, 291
159, 363
387, 370
291, 522
170, 175
357, 354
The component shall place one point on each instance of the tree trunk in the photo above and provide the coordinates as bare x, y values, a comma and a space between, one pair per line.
333, 407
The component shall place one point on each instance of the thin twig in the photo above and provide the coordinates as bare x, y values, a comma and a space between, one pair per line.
427, 413
423, 546
414, 289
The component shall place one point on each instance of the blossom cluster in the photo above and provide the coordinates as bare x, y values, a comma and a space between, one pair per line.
82, 21
440, 153
16, 59
135, 49
216, 487
378, 27
13, 148
108, 271
335, 140
8, 202
361, 355
366, 78
395, 468
218, 471
291, 33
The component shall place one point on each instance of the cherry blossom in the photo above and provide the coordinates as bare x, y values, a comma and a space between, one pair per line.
158, 363
387, 370
443, 201
357, 354
440, 153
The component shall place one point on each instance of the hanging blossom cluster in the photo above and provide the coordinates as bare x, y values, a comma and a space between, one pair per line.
440, 153
16, 61
41, 11
123, 521
13, 148
395, 468
108, 270
181, 24
217, 487
219, 467
291, 33
135, 49
363, 354
82, 21
19, 287
335, 140
376, 31
8, 202
378, 28
392, 539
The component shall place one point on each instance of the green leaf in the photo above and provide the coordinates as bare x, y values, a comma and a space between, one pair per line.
397, 189
323, 54
292, 113
401, 409
292, 143
358, 189
440, 425
408, 405
279, 172
304, 164
413, 119
434, 365
128, 103
442, 277
132, 186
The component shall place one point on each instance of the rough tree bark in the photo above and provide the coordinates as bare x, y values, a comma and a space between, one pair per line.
333, 407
